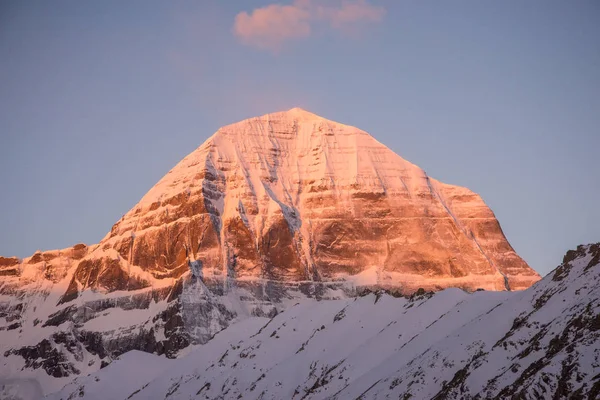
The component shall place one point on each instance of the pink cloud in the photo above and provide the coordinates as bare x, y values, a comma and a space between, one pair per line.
269, 27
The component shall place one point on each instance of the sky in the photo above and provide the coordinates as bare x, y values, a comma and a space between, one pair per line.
98, 100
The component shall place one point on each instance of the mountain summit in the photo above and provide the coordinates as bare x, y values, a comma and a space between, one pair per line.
292, 196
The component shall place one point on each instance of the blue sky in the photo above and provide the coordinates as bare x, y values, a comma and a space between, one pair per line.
98, 100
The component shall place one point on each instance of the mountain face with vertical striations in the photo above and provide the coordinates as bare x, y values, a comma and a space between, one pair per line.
267, 212
291, 196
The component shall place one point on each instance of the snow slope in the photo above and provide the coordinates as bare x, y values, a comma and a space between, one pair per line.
543, 342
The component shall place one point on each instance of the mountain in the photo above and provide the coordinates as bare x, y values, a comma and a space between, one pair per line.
268, 212
292, 196
541, 343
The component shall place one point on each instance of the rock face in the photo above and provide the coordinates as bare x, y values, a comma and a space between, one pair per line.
267, 212
291, 196
541, 343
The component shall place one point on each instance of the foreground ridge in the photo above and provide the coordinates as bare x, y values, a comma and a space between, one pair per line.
543, 342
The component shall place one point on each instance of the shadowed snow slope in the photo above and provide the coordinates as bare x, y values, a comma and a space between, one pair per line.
543, 342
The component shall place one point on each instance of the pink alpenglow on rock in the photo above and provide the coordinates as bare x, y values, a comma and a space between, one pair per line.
292, 196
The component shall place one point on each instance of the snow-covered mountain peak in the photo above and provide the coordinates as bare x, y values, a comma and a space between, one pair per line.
340, 204
301, 113
293, 149
298, 114
268, 212
302, 123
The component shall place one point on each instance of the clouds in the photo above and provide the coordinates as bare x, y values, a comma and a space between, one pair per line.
269, 27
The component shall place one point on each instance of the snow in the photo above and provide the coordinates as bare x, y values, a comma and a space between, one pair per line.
116, 318
244, 143
378, 346
140, 368
20, 389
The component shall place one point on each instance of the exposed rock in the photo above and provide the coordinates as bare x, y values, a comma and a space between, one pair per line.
45, 355
8, 262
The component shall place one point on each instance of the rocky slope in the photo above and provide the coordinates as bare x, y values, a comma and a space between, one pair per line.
267, 212
541, 343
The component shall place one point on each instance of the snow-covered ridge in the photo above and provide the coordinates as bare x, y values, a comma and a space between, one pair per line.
543, 342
